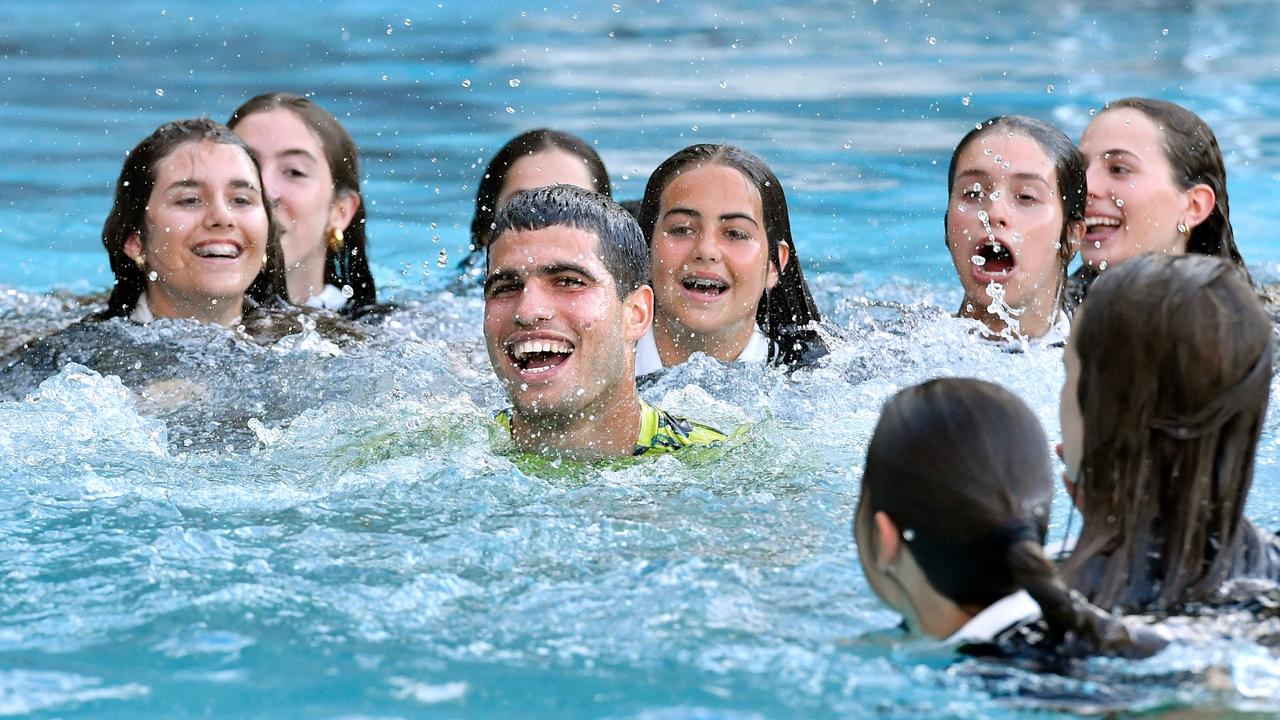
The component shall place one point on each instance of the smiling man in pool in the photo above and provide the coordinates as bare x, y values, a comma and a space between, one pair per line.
567, 297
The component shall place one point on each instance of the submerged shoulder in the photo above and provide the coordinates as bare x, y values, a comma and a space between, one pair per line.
662, 431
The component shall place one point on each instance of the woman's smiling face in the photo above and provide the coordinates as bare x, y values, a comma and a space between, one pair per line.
710, 253
1134, 205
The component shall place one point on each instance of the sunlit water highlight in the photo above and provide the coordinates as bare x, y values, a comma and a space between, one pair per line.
320, 528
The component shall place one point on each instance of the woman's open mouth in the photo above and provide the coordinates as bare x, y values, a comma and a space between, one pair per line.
218, 250
993, 261
704, 287
1100, 228
535, 357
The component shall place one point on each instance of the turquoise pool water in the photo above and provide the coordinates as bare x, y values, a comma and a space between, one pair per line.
323, 532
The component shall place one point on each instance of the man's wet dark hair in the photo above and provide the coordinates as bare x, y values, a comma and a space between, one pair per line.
620, 245
523, 145
129, 213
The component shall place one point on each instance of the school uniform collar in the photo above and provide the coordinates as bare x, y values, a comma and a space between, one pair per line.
1009, 611
648, 360
330, 298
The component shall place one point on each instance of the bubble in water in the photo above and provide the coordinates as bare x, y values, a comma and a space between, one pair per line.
1119, 202
348, 292
443, 259
978, 260
466, 83
160, 92
1049, 88
933, 40
514, 82
511, 110
153, 276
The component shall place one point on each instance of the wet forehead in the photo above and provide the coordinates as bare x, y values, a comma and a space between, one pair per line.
714, 186
1123, 129
1024, 156
205, 162
525, 252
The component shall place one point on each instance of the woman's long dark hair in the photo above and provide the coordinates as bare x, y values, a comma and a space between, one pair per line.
349, 264
523, 145
129, 214
1175, 370
787, 313
962, 467
1069, 167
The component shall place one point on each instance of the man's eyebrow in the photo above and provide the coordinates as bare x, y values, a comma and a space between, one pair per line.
566, 267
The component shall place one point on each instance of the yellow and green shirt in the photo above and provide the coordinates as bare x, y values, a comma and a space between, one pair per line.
660, 431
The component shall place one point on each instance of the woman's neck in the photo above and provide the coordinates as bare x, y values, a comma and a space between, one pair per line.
217, 311
676, 343
305, 280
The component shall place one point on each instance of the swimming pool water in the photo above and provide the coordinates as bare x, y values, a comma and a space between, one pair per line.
321, 530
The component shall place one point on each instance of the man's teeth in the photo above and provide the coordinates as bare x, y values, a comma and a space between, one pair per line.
1105, 221
525, 348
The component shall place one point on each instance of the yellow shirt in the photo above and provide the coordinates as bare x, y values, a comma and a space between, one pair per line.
660, 431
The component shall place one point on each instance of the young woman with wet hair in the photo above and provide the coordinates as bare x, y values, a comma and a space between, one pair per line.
533, 159
1168, 370
952, 518
727, 279
311, 170
190, 234
1015, 216
1157, 183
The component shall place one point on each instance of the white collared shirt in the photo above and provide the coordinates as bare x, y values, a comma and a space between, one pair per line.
330, 298
142, 310
648, 360
997, 617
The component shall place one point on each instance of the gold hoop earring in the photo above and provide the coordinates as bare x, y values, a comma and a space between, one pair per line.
1182, 227
141, 262
335, 239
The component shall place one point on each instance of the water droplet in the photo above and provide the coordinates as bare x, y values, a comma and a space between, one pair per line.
617, 8
983, 217
511, 110
514, 82
160, 92
848, 146
908, 534
388, 29
1119, 202
977, 187
999, 159
408, 22
348, 292
466, 83
723, 84
153, 276
933, 40
986, 151
1165, 32
1102, 265
978, 260
443, 259
1049, 88
694, 128
996, 194
965, 101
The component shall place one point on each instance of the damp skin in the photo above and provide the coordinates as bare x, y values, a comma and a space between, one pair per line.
552, 166
1133, 204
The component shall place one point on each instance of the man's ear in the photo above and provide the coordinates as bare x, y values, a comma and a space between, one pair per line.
343, 209
784, 255
133, 247
637, 313
888, 541
1200, 202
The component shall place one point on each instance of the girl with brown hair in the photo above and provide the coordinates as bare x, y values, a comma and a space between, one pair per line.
1168, 370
